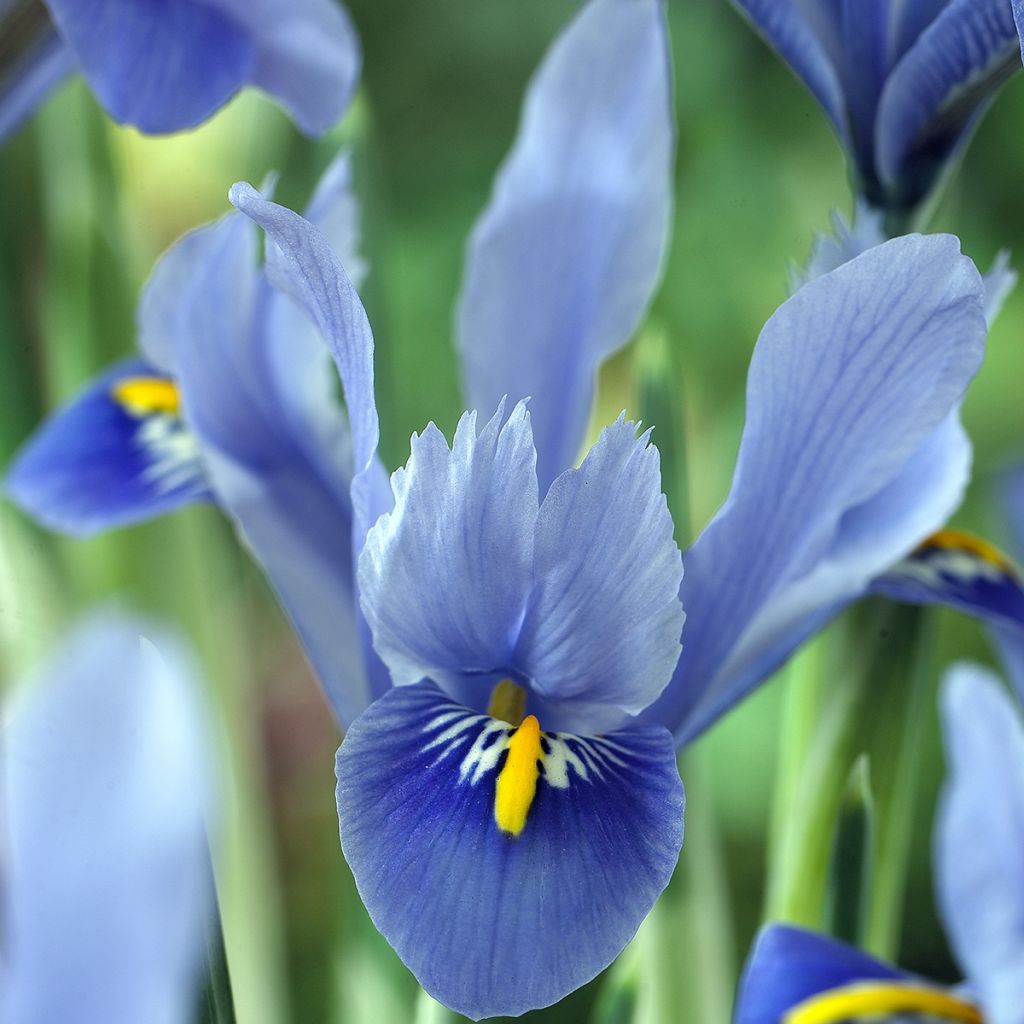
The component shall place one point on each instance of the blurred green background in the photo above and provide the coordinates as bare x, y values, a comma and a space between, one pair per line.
86, 209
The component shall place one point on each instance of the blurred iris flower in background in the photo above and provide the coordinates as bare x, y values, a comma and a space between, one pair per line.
799, 977
108, 792
902, 84
167, 65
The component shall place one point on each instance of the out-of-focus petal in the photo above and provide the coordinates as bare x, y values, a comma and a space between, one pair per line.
118, 453
962, 571
933, 96
795, 33
604, 620
979, 837
289, 497
853, 384
107, 772
500, 902
444, 578
156, 65
563, 262
23, 87
788, 965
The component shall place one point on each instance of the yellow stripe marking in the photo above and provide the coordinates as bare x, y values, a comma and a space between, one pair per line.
517, 783
960, 540
865, 998
144, 396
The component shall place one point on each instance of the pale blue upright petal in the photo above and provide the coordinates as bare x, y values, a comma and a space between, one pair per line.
493, 921
208, 312
797, 32
788, 965
854, 384
935, 94
107, 775
603, 622
562, 264
1018, 17
979, 873
163, 66
445, 577
104, 460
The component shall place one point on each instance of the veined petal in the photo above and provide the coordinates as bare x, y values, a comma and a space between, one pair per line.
604, 619
795, 33
527, 915
268, 467
167, 66
118, 453
978, 838
789, 965
854, 384
107, 774
960, 570
444, 578
563, 262
1018, 17
936, 91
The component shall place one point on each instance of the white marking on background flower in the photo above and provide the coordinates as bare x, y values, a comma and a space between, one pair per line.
173, 451
935, 569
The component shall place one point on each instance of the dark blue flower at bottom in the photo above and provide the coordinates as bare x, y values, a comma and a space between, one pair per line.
507, 866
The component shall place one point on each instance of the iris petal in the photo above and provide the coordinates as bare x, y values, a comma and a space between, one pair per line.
490, 922
99, 462
563, 262
604, 619
788, 965
107, 775
445, 577
978, 838
853, 384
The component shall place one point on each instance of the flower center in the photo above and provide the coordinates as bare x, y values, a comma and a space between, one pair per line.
144, 396
869, 998
517, 781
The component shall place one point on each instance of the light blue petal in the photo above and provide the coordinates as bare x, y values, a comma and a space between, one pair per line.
210, 314
788, 965
1018, 17
847, 241
933, 96
167, 66
562, 264
490, 922
954, 569
107, 771
798, 35
979, 836
100, 462
445, 577
46, 64
851, 430
603, 622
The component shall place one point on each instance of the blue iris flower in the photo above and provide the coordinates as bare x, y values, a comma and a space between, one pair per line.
903, 84
165, 65
519, 784
797, 976
106, 888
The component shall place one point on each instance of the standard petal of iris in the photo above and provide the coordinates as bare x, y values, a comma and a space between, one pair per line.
798, 36
604, 620
790, 965
564, 260
107, 771
492, 920
978, 838
118, 453
854, 383
445, 577
167, 66
934, 94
